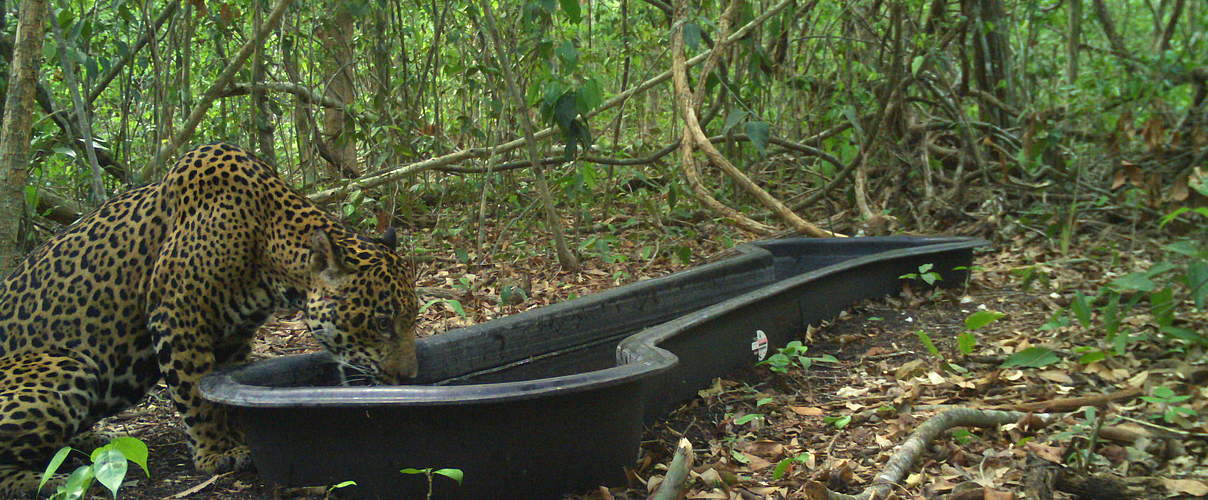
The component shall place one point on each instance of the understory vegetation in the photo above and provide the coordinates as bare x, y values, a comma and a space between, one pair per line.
541, 150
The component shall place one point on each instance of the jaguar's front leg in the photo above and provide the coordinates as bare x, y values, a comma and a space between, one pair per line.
186, 354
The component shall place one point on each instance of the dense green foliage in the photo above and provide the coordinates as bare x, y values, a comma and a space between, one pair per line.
960, 107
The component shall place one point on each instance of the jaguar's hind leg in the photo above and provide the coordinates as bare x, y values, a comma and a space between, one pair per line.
44, 401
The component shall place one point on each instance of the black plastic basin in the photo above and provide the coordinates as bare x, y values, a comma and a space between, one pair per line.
553, 400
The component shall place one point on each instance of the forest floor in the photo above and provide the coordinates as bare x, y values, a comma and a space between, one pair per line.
801, 436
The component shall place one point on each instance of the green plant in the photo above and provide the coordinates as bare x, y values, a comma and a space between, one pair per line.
1032, 357
454, 474
1168, 286
1168, 401
108, 466
838, 422
965, 340
345, 484
782, 467
794, 353
453, 304
925, 274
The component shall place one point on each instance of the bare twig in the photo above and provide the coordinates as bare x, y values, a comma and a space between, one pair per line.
216, 88
900, 463
69, 77
566, 258
369, 181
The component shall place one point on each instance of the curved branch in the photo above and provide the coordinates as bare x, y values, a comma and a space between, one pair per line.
900, 463
694, 133
304, 93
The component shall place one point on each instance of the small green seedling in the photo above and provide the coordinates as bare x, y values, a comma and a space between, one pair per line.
108, 467
454, 474
925, 274
794, 352
837, 422
334, 487
1032, 357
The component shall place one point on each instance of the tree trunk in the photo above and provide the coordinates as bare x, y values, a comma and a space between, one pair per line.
992, 56
338, 144
263, 121
1073, 41
1109, 28
15, 132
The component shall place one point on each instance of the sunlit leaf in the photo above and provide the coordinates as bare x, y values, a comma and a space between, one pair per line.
980, 319
454, 474
134, 449
53, 466
110, 468
1134, 281
1082, 309
1032, 357
965, 342
78, 483
925, 339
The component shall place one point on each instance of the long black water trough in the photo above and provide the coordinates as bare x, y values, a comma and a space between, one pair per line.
553, 400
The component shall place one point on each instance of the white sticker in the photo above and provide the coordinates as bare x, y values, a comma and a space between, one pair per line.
760, 345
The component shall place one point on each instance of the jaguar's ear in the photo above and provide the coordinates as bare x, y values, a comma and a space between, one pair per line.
325, 255
389, 238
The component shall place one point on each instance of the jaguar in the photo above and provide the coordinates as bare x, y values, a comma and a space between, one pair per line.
169, 281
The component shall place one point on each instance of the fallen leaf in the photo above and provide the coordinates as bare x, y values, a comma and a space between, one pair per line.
852, 392
711, 478
1050, 453
1191, 487
757, 464
764, 448
992, 494
910, 369
1057, 376
807, 411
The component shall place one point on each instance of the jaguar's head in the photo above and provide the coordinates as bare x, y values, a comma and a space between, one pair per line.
361, 306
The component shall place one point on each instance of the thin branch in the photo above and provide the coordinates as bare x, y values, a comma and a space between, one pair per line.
216, 88
372, 180
69, 77
116, 68
567, 259
900, 464
688, 114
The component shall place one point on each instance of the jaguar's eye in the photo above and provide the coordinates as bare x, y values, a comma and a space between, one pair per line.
384, 324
